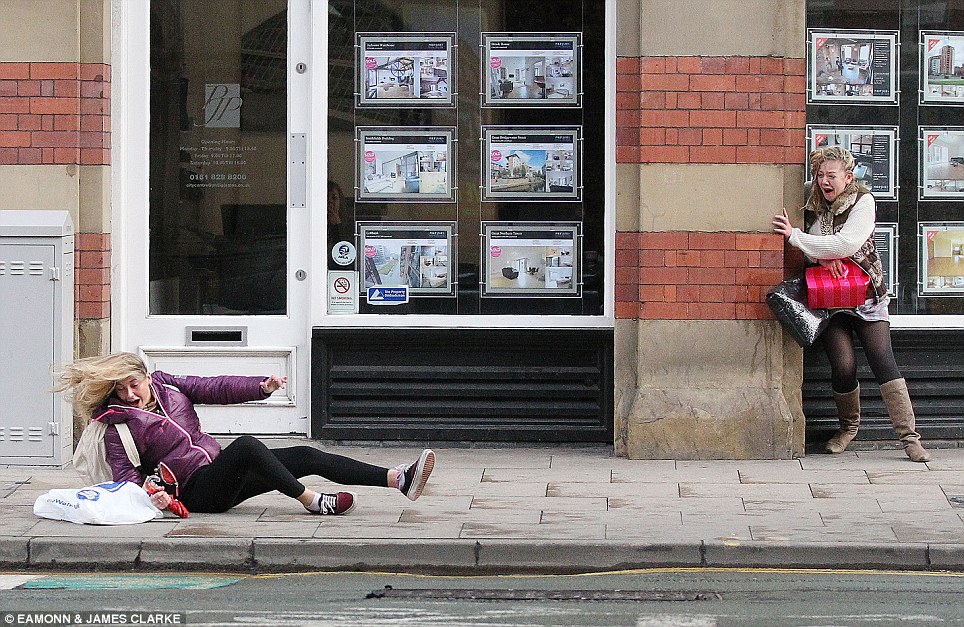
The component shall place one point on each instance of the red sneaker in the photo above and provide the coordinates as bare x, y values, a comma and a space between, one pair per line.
335, 504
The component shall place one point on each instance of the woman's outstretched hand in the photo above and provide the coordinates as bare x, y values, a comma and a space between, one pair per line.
782, 225
272, 383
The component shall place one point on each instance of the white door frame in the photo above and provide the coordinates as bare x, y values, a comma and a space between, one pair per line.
276, 344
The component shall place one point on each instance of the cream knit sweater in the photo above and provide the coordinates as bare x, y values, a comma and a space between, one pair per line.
853, 234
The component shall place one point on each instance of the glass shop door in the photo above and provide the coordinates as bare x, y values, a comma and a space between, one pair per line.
216, 215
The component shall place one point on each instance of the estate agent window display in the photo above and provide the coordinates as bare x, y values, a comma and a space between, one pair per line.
861, 94
441, 152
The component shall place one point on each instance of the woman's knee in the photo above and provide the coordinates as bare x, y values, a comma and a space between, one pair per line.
248, 444
247, 440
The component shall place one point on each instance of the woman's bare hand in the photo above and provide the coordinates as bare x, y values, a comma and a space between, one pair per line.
272, 383
836, 266
782, 225
161, 500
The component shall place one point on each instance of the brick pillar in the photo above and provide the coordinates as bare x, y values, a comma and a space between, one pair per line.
710, 145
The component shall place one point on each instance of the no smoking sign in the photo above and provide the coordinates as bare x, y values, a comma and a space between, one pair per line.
342, 292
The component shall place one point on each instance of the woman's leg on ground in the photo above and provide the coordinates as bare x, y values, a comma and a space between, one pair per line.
875, 338
245, 468
302, 461
838, 344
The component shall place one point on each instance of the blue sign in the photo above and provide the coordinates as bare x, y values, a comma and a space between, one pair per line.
379, 295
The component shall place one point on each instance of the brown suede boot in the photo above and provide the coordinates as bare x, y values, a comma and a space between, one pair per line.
848, 409
902, 416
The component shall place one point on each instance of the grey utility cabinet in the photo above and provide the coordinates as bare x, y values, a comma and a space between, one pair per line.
36, 333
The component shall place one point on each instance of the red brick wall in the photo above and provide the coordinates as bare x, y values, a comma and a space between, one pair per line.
54, 113
710, 110
92, 275
696, 276
721, 110
59, 114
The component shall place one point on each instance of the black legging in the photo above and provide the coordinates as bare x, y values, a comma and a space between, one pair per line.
839, 345
247, 468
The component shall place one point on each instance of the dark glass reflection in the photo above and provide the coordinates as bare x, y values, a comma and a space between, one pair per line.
218, 157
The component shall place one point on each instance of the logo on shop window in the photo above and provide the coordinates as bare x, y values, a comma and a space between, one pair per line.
222, 105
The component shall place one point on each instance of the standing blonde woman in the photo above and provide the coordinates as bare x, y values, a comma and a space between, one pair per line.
159, 410
839, 217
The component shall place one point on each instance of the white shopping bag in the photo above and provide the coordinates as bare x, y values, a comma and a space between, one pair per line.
111, 503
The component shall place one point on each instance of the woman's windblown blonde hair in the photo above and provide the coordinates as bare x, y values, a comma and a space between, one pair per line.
88, 382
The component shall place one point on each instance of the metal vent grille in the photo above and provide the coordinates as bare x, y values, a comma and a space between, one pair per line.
463, 384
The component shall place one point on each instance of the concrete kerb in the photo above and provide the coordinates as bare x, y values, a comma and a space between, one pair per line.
816, 555
275, 554
555, 556
15, 550
197, 552
459, 556
92, 552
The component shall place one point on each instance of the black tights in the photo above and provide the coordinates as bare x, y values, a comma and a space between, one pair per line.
247, 468
839, 345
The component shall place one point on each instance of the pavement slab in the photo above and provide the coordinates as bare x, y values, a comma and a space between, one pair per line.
704, 506
593, 474
786, 491
546, 509
861, 506
910, 477
593, 531
782, 476
400, 532
676, 475
557, 489
784, 533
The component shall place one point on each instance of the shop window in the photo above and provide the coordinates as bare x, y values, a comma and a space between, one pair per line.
887, 81
218, 232
466, 155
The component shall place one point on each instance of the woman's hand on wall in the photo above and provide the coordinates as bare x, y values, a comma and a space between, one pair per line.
782, 225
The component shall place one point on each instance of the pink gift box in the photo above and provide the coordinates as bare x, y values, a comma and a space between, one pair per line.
826, 292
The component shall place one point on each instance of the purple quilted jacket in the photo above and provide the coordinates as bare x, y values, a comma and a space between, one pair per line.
177, 439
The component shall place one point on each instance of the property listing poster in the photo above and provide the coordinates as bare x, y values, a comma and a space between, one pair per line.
942, 67
531, 69
874, 150
885, 238
404, 164
531, 259
941, 162
531, 163
852, 67
941, 260
411, 70
413, 254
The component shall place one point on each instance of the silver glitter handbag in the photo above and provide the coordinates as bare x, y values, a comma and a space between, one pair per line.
788, 300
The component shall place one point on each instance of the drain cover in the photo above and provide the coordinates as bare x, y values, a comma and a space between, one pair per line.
478, 594
956, 501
